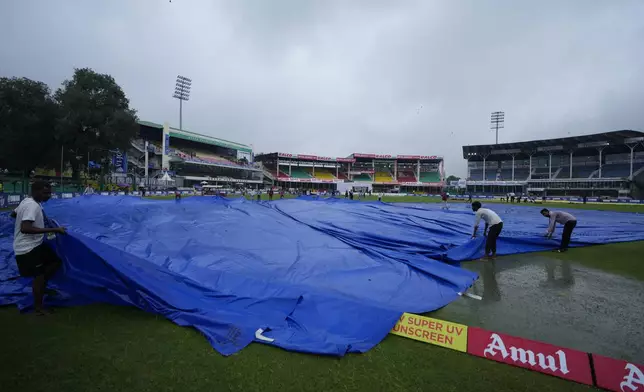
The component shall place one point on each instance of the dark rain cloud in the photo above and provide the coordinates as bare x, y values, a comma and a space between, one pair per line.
336, 77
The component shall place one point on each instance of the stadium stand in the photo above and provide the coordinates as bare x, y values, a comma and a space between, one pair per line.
383, 177
406, 177
519, 174
476, 175
602, 165
430, 177
324, 174
362, 177
299, 172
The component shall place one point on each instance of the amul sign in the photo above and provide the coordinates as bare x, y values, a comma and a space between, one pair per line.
541, 357
617, 375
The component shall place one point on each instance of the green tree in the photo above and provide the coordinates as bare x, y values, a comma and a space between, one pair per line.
27, 124
95, 117
452, 178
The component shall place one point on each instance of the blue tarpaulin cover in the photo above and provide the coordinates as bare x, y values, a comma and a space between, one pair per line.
326, 276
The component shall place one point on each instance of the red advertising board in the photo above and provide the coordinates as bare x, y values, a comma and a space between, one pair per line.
308, 157
345, 160
541, 357
355, 155
618, 375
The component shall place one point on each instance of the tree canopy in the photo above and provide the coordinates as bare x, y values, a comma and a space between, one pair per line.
95, 115
27, 118
89, 113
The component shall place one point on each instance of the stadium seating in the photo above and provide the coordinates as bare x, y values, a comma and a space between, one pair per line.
299, 172
362, 177
476, 174
520, 174
406, 177
383, 177
342, 176
430, 177
542, 173
581, 171
619, 170
491, 175
324, 174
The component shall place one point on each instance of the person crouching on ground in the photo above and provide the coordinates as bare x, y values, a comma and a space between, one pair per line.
568, 221
35, 258
493, 227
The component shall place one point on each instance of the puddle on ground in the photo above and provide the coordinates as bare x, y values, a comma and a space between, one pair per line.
554, 301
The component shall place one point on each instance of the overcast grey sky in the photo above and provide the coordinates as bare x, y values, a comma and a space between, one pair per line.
335, 77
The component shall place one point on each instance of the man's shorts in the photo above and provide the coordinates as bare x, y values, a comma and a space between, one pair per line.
34, 263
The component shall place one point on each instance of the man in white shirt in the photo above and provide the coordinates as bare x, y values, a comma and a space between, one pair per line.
493, 227
35, 258
568, 221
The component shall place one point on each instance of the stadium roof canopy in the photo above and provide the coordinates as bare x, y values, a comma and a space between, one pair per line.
199, 138
610, 142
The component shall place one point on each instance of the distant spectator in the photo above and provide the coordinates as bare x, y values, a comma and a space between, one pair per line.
270, 194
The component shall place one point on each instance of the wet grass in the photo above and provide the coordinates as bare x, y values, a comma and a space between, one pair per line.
624, 259
109, 348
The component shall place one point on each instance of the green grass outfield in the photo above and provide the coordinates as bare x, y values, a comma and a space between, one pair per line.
110, 348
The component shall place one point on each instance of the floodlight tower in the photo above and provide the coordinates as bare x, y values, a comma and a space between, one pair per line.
182, 93
496, 122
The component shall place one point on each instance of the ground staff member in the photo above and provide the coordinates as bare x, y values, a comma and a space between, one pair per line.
492, 222
35, 259
568, 221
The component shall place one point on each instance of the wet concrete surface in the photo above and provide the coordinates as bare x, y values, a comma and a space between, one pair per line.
557, 302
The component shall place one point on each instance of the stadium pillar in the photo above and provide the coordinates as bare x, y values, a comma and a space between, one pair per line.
571, 163
632, 147
512, 167
550, 166
600, 149
418, 170
484, 158
314, 170
337, 171
530, 168
395, 170
146, 163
